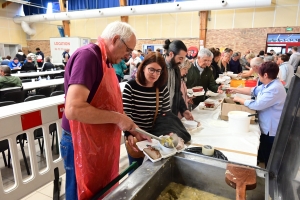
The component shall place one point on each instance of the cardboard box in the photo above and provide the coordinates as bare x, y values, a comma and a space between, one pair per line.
229, 105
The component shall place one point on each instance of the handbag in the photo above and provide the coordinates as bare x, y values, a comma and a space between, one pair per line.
129, 149
167, 122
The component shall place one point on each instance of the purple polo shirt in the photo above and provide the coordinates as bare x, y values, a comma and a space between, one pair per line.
84, 67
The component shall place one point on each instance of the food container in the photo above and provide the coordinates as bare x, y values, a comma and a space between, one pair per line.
280, 181
237, 83
209, 104
190, 124
239, 121
250, 83
197, 89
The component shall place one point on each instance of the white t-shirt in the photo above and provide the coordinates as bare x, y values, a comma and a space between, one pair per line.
132, 67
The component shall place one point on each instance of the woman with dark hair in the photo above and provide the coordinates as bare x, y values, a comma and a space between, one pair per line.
217, 56
269, 101
139, 98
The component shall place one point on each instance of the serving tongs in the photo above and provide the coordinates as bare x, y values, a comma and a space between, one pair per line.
174, 138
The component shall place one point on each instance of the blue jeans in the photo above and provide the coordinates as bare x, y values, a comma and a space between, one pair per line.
67, 153
138, 160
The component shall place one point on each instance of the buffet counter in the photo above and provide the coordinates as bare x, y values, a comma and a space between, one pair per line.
241, 148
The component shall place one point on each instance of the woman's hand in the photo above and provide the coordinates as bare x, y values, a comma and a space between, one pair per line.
131, 142
188, 115
239, 99
220, 91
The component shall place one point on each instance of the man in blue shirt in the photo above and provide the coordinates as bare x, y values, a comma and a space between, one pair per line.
269, 102
5, 60
15, 64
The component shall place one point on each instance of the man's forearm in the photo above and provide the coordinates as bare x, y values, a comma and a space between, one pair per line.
86, 113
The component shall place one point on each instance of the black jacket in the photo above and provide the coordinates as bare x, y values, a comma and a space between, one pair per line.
178, 101
47, 66
216, 69
21, 56
28, 66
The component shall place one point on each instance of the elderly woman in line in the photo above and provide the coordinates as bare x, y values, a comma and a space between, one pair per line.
246, 74
269, 101
184, 67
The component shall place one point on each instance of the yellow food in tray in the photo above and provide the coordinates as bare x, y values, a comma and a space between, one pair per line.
168, 141
180, 192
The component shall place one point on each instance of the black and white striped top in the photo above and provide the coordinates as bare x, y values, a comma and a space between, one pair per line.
140, 103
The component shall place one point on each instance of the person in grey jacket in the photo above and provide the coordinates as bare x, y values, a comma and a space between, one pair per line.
295, 58
286, 70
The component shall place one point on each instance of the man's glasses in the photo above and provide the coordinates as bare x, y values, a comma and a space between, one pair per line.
127, 48
152, 70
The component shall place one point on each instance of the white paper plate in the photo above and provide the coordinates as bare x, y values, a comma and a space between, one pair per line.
155, 143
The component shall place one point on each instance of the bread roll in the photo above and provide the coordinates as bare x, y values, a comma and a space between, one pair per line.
153, 153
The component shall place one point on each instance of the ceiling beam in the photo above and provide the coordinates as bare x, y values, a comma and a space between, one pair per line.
203, 27
124, 18
66, 23
4, 5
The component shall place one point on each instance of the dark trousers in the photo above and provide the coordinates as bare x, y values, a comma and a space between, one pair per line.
265, 147
40, 64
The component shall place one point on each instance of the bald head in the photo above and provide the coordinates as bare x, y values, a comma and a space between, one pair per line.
255, 63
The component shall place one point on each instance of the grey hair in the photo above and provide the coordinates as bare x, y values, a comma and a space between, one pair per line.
205, 53
122, 29
257, 61
47, 59
268, 58
235, 54
135, 52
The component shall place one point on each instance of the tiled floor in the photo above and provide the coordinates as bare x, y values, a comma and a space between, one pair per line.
46, 192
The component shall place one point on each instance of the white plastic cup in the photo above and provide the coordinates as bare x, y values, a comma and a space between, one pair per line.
33, 80
51, 69
19, 72
238, 122
37, 70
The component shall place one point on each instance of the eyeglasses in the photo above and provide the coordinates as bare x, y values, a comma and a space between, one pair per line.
127, 48
152, 70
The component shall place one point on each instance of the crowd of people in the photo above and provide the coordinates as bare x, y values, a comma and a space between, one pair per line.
24, 63
96, 111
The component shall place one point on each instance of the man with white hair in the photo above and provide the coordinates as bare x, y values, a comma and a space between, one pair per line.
93, 118
133, 61
255, 64
201, 74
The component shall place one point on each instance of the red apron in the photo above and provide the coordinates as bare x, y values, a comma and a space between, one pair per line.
97, 146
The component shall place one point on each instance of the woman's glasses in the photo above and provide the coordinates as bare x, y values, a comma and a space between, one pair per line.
152, 70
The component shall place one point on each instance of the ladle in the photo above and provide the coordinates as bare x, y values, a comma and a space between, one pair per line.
166, 144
